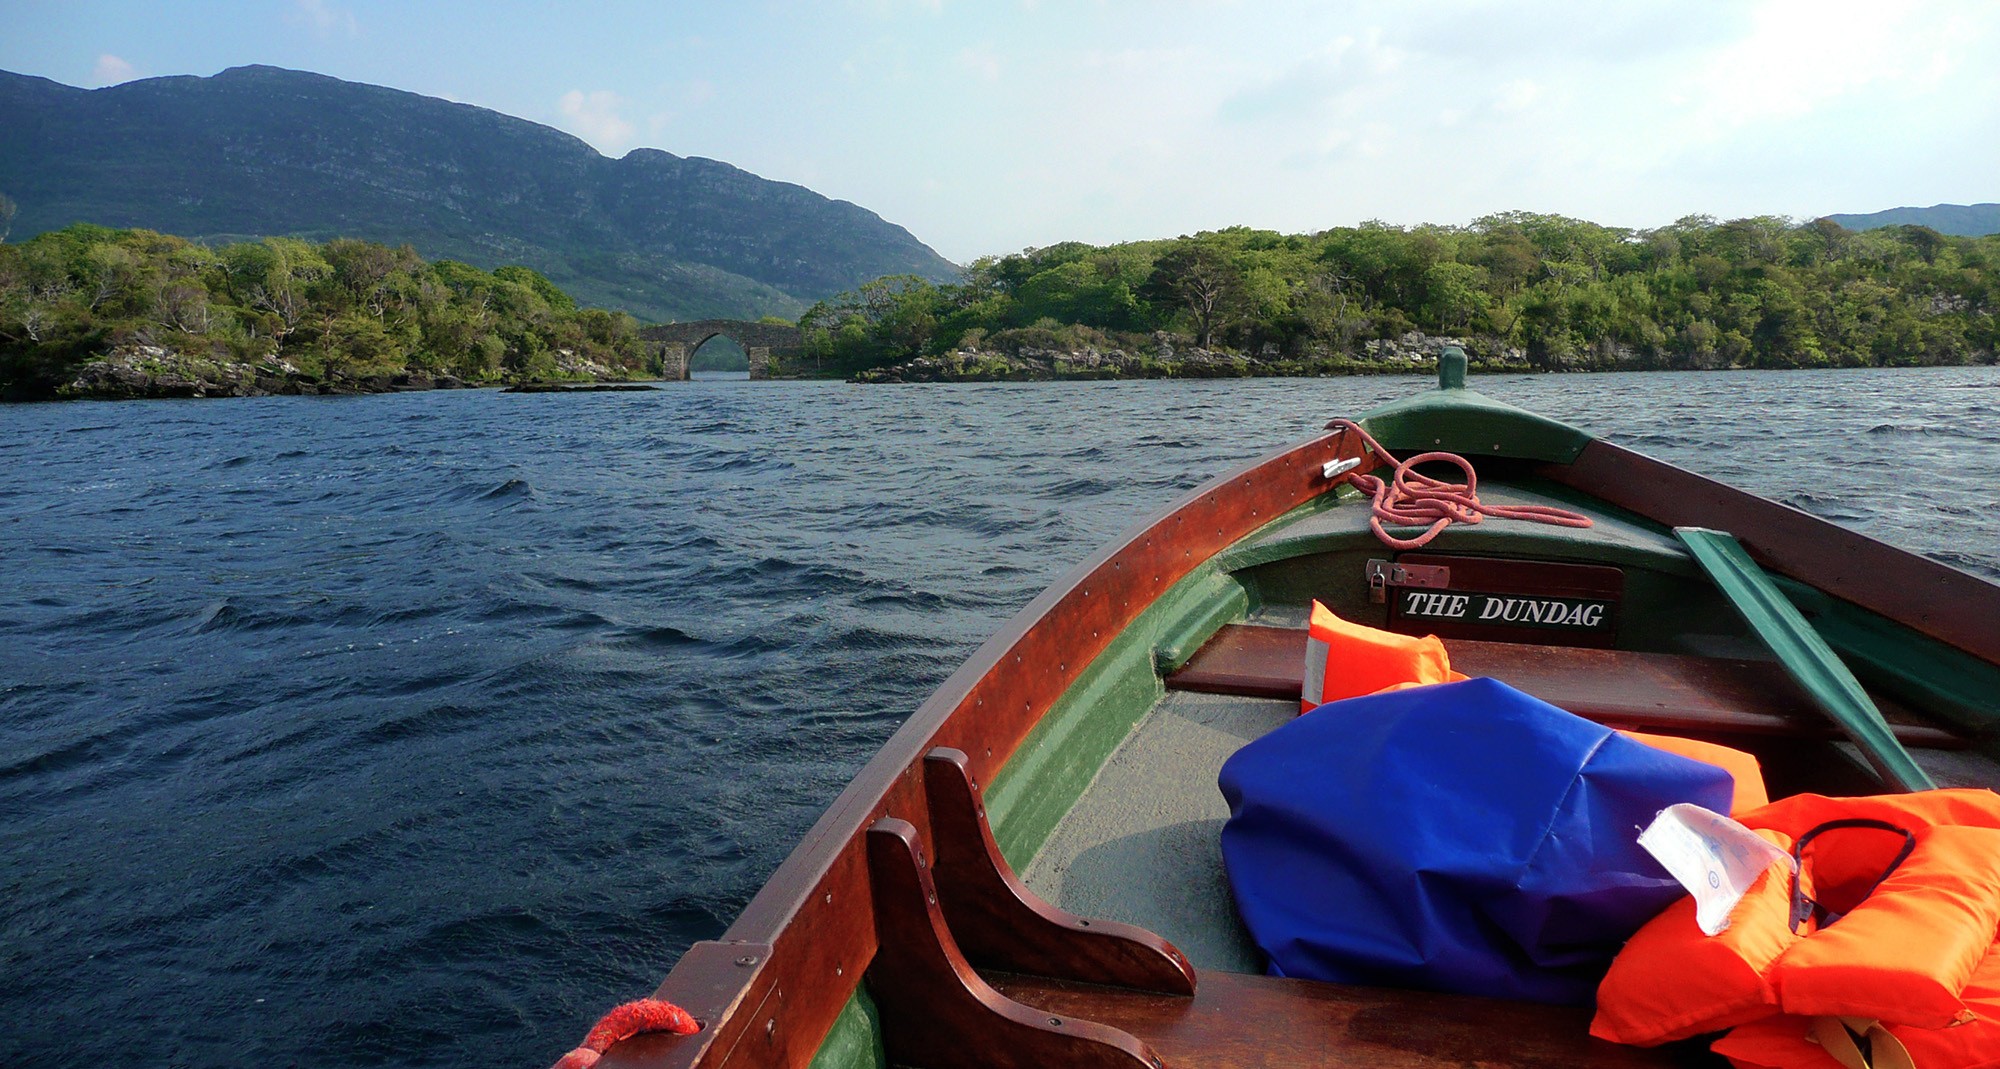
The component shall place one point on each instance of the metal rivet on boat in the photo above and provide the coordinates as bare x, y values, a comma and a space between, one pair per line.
747, 959
1057, 1021
933, 898
770, 1029
837, 971
1083, 922
829, 900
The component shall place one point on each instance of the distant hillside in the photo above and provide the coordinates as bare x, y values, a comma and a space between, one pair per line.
264, 151
1963, 220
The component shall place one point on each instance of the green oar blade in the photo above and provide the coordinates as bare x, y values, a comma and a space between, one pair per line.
1804, 654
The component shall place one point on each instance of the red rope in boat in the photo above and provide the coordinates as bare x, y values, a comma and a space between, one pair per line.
624, 1022
1409, 499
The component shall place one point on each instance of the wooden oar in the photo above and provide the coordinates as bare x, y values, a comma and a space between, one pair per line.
1804, 654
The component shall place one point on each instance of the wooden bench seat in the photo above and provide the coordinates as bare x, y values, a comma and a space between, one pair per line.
1662, 692
1241, 1021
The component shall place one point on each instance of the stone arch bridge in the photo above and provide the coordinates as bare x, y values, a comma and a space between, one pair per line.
764, 342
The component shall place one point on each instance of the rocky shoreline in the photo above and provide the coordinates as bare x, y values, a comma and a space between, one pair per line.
1169, 357
1411, 353
148, 372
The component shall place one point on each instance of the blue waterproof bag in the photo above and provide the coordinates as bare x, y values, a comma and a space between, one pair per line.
1461, 837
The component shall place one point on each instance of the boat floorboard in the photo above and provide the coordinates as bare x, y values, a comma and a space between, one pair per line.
1143, 845
1243, 1022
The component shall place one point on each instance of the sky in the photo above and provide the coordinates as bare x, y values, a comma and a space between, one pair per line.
990, 127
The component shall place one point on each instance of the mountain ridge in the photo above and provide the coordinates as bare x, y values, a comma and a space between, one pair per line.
1959, 220
262, 150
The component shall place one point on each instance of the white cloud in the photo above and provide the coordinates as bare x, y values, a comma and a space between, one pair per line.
981, 62
111, 70
324, 18
594, 117
1517, 95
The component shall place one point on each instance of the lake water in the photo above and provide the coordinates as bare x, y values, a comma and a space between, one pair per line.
420, 729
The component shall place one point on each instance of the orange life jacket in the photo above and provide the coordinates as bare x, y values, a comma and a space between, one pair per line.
1348, 660
1904, 951
1742, 767
1787, 1042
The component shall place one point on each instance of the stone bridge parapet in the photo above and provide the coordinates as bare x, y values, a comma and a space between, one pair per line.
676, 342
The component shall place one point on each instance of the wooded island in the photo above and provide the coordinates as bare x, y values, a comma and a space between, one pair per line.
1540, 292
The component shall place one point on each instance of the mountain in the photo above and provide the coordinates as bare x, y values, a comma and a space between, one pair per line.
264, 151
1964, 220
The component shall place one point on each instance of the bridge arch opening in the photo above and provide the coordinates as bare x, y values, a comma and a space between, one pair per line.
719, 355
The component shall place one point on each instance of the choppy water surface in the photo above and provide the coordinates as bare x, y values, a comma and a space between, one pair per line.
420, 729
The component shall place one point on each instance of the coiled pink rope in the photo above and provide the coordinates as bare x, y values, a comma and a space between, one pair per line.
1409, 499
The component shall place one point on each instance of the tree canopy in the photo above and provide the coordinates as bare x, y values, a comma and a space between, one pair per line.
342, 308
1565, 293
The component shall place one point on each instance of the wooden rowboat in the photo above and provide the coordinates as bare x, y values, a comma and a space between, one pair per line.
1027, 873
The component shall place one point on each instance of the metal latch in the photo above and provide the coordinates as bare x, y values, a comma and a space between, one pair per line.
1384, 574
1334, 469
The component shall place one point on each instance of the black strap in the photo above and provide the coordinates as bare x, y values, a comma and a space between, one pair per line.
1804, 908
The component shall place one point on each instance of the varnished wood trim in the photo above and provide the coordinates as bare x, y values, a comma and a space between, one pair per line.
999, 923
1618, 688
1949, 605
1247, 1022
936, 1011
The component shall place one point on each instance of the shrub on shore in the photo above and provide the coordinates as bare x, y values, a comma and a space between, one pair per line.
344, 309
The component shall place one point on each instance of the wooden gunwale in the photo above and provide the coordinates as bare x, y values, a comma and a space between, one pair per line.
1954, 607
771, 988
814, 913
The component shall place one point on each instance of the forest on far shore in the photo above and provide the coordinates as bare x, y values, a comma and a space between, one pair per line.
344, 309
1557, 292
1544, 291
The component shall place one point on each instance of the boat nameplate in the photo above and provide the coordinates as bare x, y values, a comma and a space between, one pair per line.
1498, 599
1384, 574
